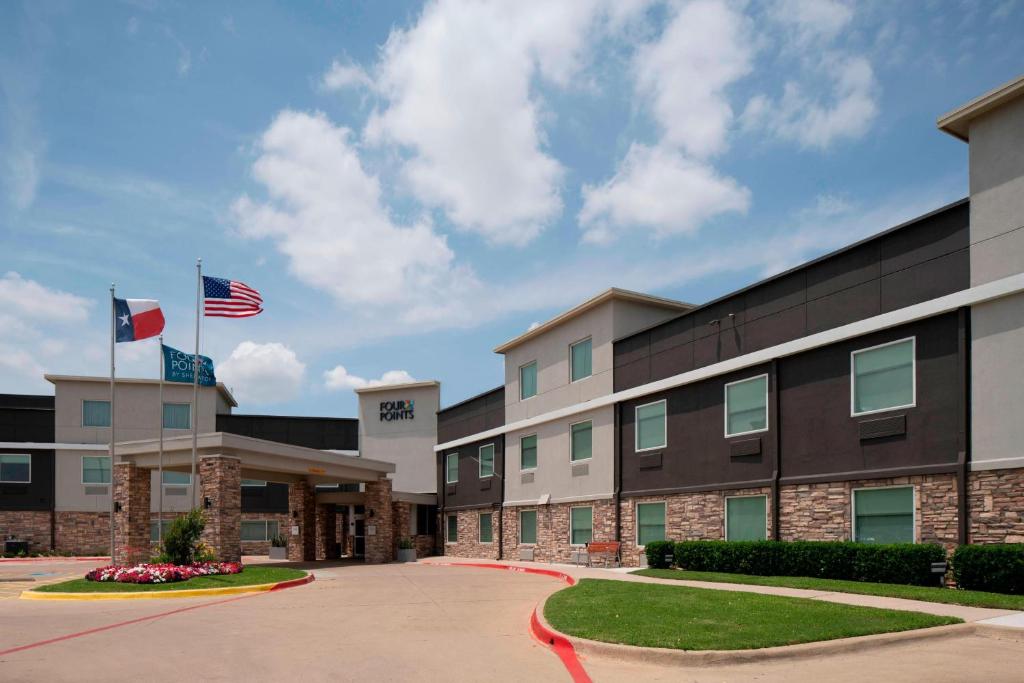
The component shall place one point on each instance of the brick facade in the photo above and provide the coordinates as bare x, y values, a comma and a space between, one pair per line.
327, 547
468, 543
996, 506
131, 520
263, 547
221, 481
401, 519
380, 531
553, 529
31, 526
82, 533
302, 514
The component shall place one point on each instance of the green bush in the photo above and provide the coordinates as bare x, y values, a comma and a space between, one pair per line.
905, 563
998, 568
657, 551
181, 542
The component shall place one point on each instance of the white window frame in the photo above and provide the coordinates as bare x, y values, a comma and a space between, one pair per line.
913, 377
177, 403
479, 528
448, 469
913, 508
581, 507
95, 483
447, 528
536, 380
480, 461
536, 449
636, 427
636, 518
767, 414
573, 345
725, 522
27, 481
536, 530
107, 401
582, 460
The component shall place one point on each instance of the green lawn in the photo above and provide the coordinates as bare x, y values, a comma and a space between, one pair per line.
685, 618
250, 576
948, 596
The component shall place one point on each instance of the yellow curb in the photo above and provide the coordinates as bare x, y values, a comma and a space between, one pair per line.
159, 595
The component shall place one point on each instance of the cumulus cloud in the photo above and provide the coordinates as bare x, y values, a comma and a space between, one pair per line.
262, 373
339, 378
811, 20
341, 76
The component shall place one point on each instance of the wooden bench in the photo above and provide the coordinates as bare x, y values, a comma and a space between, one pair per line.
606, 550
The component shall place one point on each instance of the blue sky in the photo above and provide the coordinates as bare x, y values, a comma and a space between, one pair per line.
410, 185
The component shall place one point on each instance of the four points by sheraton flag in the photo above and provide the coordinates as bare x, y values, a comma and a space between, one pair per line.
178, 367
137, 319
230, 298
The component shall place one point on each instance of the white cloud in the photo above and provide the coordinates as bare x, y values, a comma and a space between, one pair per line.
812, 20
262, 373
339, 378
340, 76
29, 300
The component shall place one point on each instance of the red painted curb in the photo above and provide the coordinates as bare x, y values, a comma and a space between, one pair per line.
14, 560
309, 578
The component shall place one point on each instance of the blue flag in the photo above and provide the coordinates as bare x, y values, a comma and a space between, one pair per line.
178, 367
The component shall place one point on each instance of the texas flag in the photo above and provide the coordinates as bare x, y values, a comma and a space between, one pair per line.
137, 319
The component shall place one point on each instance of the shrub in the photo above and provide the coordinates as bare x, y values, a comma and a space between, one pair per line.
905, 563
998, 568
405, 543
279, 541
181, 542
657, 551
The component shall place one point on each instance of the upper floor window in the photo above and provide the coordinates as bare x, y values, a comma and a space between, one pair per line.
15, 468
883, 515
487, 460
650, 426
95, 413
451, 472
528, 452
528, 380
177, 416
95, 469
883, 377
581, 441
581, 360
177, 478
746, 406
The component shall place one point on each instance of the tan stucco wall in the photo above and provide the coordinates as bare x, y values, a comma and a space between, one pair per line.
407, 443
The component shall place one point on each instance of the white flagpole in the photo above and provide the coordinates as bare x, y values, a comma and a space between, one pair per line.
195, 384
113, 332
160, 457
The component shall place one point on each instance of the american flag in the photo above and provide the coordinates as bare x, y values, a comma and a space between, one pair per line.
230, 299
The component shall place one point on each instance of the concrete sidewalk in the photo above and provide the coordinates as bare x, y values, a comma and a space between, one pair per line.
968, 614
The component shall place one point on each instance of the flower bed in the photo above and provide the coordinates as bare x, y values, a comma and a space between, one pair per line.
162, 573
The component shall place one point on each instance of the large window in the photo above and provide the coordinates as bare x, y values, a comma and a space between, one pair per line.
453, 529
528, 452
746, 518
15, 468
883, 515
487, 460
95, 469
528, 380
486, 527
259, 530
650, 523
581, 525
451, 468
581, 360
883, 377
581, 441
528, 526
177, 416
177, 478
650, 426
95, 413
746, 406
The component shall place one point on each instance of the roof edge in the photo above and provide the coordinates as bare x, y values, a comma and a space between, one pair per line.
53, 379
958, 121
500, 387
406, 385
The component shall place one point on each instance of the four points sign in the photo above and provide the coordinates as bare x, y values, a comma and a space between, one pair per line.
396, 410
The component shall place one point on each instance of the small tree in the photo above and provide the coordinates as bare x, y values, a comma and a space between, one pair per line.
181, 542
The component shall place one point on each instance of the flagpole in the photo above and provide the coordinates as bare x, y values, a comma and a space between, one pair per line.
160, 456
195, 385
113, 332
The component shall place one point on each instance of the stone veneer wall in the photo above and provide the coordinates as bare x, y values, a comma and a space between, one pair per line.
221, 481
131, 522
995, 506
401, 518
32, 526
380, 545
83, 533
468, 544
327, 547
263, 547
553, 529
302, 510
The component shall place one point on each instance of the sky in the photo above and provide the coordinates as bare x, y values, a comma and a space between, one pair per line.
410, 185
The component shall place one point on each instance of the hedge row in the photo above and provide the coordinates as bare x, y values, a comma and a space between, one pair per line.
994, 568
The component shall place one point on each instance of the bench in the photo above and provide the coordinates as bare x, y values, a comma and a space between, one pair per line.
606, 550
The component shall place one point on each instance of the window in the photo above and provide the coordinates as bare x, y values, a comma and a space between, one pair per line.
453, 529
486, 529
746, 518
166, 523
528, 381
581, 441
883, 515
253, 483
528, 526
650, 523
580, 360
258, 530
95, 469
177, 478
581, 525
883, 377
451, 474
177, 416
528, 452
650, 426
746, 406
15, 468
487, 460
95, 413
426, 519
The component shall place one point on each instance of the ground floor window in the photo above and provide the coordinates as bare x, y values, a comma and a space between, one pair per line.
746, 518
528, 526
259, 530
650, 523
153, 529
486, 527
883, 515
425, 520
453, 528
581, 525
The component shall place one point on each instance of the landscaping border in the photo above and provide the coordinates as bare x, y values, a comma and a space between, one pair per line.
162, 595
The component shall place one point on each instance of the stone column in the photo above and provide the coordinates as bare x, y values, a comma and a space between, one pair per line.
220, 478
326, 532
302, 514
379, 530
131, 520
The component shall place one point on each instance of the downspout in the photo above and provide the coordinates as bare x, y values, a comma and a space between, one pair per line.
53, 504
501, 504
777, 455
964, 418
617, 471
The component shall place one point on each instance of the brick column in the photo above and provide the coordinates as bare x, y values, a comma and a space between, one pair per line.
302, 514
220, 478
326, 532
131, 522
379, 543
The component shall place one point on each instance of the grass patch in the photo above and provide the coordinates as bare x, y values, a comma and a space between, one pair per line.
949, 596
685, 618
250, 576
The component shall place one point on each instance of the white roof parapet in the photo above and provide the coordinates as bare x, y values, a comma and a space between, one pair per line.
958, 122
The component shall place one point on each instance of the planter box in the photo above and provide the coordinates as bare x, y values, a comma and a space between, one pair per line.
278, 553
406, 555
